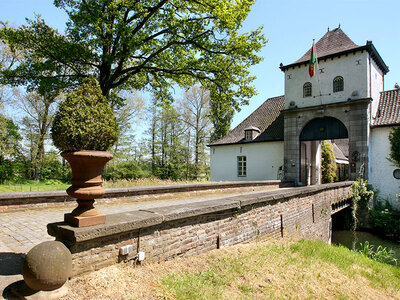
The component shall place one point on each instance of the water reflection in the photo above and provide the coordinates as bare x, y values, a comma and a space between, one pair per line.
352, 240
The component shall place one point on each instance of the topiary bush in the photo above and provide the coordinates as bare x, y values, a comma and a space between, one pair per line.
84, 120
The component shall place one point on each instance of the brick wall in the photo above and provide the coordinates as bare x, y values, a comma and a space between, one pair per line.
199, 227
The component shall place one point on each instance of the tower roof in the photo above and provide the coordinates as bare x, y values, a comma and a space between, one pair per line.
336, 43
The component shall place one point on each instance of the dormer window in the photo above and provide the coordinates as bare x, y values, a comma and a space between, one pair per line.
338, 84
307, 89
251, 133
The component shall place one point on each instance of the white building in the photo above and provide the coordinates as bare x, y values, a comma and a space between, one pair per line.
344, 100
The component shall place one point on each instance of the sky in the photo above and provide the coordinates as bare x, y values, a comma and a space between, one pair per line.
289, 25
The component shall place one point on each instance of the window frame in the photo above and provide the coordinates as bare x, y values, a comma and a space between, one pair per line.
338, 84
307, 87
241, 166
248, 135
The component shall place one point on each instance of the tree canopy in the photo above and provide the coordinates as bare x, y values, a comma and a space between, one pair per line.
149, 45
394, 139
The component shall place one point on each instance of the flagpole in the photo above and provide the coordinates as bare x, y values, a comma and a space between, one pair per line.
317, 73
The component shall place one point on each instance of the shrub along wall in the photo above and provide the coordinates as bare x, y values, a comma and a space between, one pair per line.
166, 232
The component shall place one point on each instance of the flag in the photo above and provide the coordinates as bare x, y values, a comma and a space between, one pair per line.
313, 60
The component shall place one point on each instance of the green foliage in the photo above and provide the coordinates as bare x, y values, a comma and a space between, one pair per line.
221, 116
124, 170
54, 169
381, 254
143, 45
328, 164
363, 195
9, 138
84, 120
385, 220
394, 139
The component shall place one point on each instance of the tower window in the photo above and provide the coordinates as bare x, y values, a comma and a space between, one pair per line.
307, 89
338, 84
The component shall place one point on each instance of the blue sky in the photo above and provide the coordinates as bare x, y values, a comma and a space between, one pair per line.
289, 25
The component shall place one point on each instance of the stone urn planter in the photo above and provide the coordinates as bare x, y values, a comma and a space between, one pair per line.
84, 128
87, 167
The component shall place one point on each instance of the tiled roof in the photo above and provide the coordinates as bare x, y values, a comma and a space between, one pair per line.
343, 145
388, 112
267, 118
333, 41
339, 155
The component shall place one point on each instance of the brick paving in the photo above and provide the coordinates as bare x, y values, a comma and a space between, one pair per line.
22, 230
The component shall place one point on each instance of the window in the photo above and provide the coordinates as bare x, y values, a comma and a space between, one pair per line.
241, 162
248, 135
307, 89
338, 84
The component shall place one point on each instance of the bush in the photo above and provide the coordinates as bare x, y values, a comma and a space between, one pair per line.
53, 169
386, 220
363, 195
124, 170
381, 254
84, 120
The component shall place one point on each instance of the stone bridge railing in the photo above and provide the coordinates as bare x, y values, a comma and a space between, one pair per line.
164, 232
24, 200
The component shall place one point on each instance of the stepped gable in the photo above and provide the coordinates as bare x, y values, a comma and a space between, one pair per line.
388, 112
267, 117
334, 41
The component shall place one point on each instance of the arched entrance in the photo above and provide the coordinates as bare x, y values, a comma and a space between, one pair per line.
348, 118
315, 131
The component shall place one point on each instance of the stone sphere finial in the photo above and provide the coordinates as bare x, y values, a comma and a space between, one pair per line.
47, 266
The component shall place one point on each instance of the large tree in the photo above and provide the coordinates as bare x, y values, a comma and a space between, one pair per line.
152, 44
195, 113
38, 113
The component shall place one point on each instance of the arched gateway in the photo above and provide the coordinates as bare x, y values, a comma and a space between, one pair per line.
306, 126
316, 130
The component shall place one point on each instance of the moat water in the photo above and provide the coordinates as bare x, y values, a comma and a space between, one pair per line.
352, 240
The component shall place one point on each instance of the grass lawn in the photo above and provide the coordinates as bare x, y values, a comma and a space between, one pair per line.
33, 186
259, 270
55, 185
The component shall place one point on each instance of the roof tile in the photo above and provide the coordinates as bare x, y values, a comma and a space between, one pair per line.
267, 118
388, 112
333, 41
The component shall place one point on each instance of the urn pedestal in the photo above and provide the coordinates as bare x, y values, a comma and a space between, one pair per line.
87, 167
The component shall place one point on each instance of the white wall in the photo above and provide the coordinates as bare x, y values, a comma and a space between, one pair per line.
376, 79
353, 68
263, 161
380, 169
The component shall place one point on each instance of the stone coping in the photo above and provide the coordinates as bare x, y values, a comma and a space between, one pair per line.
133, 220
152, 189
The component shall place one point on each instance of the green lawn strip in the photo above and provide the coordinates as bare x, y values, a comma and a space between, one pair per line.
33, 186
279, 271
379, 274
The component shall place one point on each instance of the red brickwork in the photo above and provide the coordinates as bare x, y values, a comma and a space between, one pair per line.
303, 212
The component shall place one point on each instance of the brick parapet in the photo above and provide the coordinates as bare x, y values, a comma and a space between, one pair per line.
163, 233
23, 200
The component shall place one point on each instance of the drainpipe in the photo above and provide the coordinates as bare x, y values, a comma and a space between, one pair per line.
370, 85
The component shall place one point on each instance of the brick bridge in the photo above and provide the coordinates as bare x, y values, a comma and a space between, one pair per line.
193, 228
